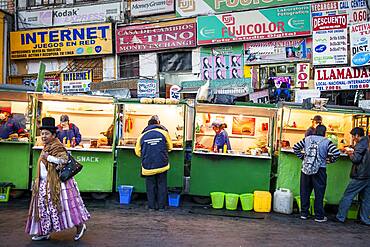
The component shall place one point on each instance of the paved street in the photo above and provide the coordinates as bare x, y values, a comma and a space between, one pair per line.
118, 225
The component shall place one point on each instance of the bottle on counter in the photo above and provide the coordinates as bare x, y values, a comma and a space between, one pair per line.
64, 140
73, 143
68, 143
225, 149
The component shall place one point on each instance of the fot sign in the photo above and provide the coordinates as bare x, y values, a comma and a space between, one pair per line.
303, 75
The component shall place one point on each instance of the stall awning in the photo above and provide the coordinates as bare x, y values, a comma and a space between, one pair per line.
237, 87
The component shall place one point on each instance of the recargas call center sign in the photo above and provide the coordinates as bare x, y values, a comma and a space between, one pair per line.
62, 42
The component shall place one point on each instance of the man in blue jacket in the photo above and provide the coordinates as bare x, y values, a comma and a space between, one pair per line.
153, 146
360, 178
67, 131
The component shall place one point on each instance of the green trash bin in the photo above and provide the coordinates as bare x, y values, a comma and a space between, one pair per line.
247, 201
312, 204
231, 201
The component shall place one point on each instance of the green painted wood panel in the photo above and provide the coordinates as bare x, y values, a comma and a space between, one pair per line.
129, 170
239, 175
97, 172
14, 164
289, 172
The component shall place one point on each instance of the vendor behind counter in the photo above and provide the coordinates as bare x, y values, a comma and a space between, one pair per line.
68, 132
9, 126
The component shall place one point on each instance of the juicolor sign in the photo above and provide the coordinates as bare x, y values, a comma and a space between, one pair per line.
205, 7
344, 78
62, 42
153, 37
255, 25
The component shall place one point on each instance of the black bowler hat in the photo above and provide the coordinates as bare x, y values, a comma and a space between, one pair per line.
48, 123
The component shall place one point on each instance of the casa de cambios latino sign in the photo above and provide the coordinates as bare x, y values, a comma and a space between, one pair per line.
83, 40
153, 37
342, 78
271, 23
204, 7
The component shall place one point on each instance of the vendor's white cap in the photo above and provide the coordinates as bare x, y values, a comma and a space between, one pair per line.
216, 123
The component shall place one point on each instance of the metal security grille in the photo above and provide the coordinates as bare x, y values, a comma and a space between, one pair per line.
32, 3
4, 5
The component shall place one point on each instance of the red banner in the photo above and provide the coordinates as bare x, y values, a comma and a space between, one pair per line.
329, 22
153, 37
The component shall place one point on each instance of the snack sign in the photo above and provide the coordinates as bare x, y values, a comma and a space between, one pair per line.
255, 25
344, 78
62, 42
360, 44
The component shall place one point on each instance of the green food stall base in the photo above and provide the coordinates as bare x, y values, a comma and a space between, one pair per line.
228, 174
289, 172
129, 170
96, 174
14, 163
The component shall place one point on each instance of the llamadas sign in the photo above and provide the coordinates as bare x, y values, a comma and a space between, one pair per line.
62, 42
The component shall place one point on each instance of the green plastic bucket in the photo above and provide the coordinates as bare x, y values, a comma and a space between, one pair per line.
231, 201
246, 201
312, 204
353, 211
218, 199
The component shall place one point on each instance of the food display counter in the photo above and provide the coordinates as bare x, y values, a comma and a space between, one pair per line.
135, 116
241, 168
15, 149
94, 116
293, 123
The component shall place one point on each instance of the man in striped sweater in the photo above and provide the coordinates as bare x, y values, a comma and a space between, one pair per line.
315, 151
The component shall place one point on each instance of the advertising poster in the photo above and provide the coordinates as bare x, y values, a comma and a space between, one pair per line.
329, 39
343, 78
255, 25
153, 37
206, 7
243, 126
69, 41
360, 44
76, 82
147, 88
51, 84
153, 7
69, 16
223, 62
275, 51
355, 9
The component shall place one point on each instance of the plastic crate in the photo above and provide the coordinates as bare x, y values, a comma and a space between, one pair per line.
4, 193
125, 192
173, 199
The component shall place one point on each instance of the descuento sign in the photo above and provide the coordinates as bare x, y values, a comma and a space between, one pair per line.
62, 42
255, 25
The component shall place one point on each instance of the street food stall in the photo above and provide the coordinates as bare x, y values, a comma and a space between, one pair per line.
135, 116
293, 123
15, 149
94, 117
244, 166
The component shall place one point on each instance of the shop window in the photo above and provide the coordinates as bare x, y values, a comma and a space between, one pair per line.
175, 61
95, 65
33, 3
129, 66
84, 1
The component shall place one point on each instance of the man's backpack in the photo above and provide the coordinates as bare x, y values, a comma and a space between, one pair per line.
311, 162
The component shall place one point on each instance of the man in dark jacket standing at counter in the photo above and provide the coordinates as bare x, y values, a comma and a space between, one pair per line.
360, 178
153, 146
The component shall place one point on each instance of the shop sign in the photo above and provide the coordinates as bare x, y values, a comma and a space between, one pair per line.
175, 92
83, 40
153, 7
51, 84
276, 51
70, 16
260, 96
343, 78
329, 39
76, 82
147, 88
221, 62
300, 95
355, 9
255, 25
152, 37
206, 7
360, 44
303, 75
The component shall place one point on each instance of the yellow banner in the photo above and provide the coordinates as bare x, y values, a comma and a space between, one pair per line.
62, 42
